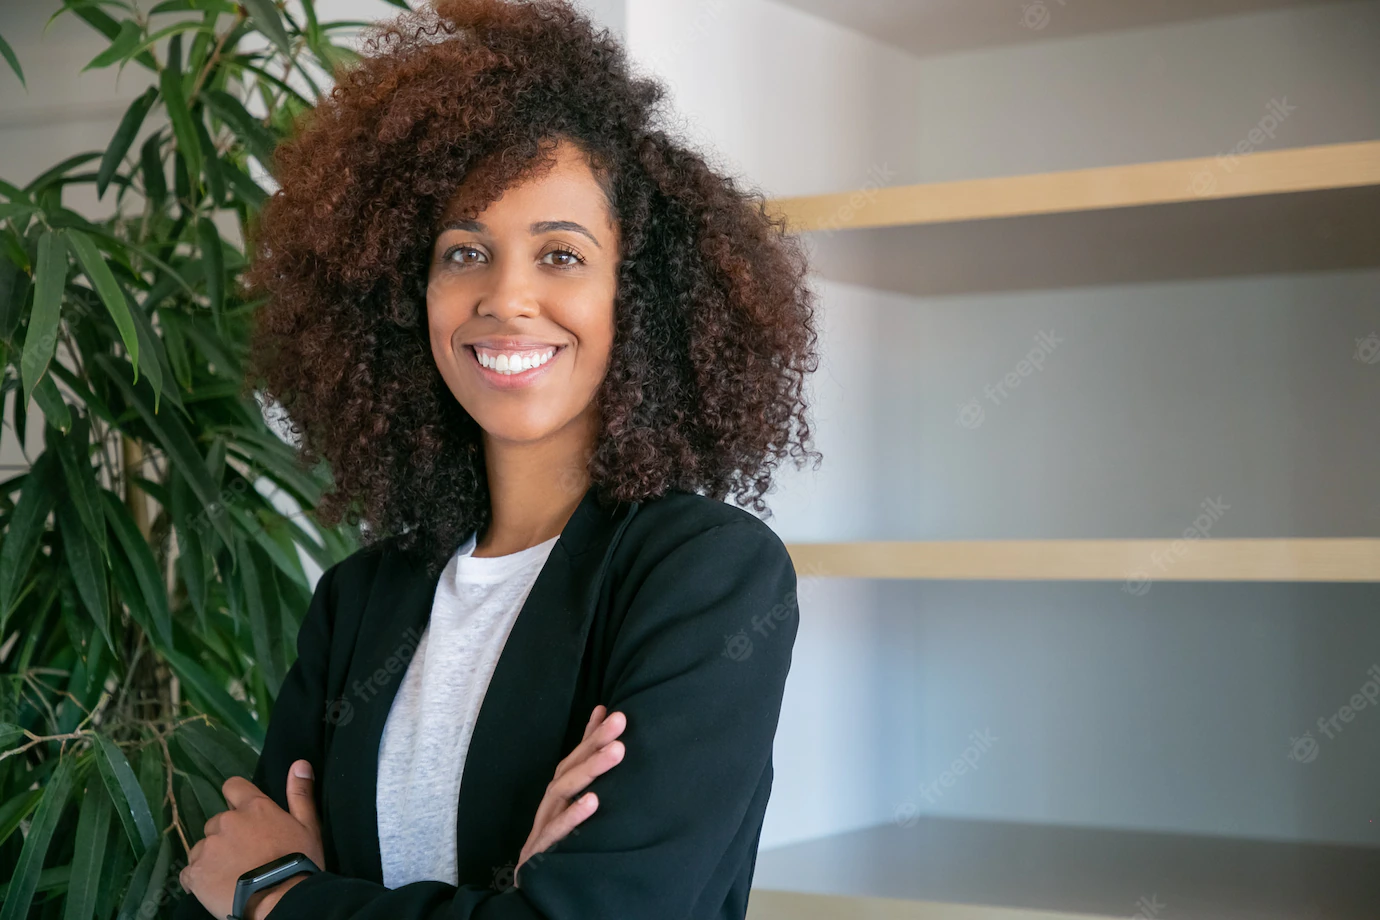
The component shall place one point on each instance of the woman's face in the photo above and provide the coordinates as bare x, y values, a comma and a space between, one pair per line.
520, 302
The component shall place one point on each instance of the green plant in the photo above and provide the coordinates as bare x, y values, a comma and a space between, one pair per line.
150, 589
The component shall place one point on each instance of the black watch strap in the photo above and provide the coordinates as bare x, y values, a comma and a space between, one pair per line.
266, 876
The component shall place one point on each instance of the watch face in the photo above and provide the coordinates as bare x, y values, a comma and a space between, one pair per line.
268, 869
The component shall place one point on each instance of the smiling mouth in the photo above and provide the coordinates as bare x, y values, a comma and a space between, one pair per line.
514, 363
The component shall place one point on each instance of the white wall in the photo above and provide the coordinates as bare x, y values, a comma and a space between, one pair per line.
1173, 710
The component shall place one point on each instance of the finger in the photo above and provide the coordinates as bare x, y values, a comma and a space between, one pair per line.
301, 802
567, 821
595, 718
574, 780
239, 791
596, 721
609, 729
212, 824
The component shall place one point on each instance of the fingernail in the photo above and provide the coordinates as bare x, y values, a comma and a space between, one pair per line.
302, 769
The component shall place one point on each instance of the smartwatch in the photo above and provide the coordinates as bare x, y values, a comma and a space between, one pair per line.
266, 876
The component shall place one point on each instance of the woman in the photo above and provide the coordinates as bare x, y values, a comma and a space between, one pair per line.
539, 343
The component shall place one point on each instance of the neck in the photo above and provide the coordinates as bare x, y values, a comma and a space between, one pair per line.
534, 487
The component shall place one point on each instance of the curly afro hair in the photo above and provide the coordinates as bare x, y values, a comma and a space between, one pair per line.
714, 323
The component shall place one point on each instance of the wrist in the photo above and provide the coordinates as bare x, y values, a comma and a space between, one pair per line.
261, 903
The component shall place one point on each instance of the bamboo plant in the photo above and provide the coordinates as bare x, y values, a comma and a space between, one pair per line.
151, 580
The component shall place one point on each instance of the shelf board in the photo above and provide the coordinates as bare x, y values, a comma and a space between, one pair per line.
948, 869
1310, 209
1203, 179
1290, 560
943, 26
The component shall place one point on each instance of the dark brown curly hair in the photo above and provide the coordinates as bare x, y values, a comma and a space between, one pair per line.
714, 323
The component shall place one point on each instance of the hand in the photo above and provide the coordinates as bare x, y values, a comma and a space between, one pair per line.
253, 831
557, 815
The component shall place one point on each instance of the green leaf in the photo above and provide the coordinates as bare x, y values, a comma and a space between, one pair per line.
26, 872
124, 137
88, 854
14, 292
139, 883
266, 16
124, 790
25, 529
214, 258
210, 159
82, 489
220, 702
191, 552
223, 751
151, 168
258, 139
263, 621
87, 568
172, 436
58, 171
149, 905
141, 560
170, 83
103, 280
155, 359
8, 54
53, 405
124, 42
40, 343
13, 812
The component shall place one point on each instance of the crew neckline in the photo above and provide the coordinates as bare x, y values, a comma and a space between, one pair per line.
469, 567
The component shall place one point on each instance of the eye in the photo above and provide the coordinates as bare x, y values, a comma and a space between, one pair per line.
451, 253
574, 257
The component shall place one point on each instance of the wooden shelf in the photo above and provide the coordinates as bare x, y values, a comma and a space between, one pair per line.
940, 27
947, 869
1290, 560
1276, 172
1309, 209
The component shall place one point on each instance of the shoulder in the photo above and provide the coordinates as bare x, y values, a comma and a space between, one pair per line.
678, 516
695, 544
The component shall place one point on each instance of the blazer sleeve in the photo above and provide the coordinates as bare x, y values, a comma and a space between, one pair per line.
699, 668
296, 728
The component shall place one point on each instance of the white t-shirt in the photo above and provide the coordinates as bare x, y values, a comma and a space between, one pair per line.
427, 733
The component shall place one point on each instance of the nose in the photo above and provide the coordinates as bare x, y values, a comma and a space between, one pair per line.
513, 291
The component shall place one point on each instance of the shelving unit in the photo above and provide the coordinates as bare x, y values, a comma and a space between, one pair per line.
1306, 209
943, 869
1096, 560
1297, 204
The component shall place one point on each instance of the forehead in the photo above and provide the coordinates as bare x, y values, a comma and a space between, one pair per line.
566, 190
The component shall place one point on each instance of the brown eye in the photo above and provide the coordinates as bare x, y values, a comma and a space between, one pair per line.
573, 257
454, 251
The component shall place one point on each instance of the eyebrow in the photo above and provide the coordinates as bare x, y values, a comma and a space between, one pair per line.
541, 226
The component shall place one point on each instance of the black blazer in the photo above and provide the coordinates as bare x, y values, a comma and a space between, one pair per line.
680, 612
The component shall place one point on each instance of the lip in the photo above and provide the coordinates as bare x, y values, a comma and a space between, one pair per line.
511, 343
512, 381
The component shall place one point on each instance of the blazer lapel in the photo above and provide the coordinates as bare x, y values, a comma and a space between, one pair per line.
522, 720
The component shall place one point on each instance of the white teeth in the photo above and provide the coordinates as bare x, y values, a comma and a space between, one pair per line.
514, 363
